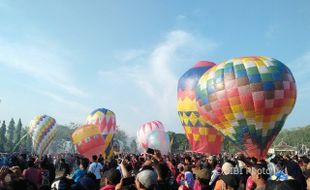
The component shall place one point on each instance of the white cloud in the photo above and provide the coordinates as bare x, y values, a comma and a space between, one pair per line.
130, 55
40, 62
156, 78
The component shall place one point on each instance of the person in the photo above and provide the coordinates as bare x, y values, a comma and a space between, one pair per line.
81, 171
33, 174
260, 176
227, 169
45, 177
163, 177
111, 177
202, 180
96, 169
230, 182
146, 180
87, 182
63, 183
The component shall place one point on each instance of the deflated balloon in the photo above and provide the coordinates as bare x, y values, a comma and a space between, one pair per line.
105, 121
248, 99
88, 140
42, 131
202, 137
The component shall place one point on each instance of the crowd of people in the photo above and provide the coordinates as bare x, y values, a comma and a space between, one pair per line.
187, 171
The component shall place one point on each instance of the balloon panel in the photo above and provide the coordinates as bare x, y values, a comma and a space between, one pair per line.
202, 137
105, 120
88, 140
248, 100
159, 140
147, 129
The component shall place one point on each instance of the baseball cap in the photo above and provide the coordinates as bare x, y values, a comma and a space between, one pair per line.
147, 178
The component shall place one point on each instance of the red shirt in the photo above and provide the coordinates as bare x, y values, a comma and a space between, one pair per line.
33, 175
108, 187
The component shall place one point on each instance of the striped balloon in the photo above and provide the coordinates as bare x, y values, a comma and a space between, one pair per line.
145, 130
202, 137
42, 130
247, 99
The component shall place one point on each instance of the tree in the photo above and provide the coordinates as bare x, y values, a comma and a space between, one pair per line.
133, 146
121, 136
178, 142
18, 133
10, 135
2, 137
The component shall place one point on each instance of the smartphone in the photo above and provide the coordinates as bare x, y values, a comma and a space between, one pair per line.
150, 151
129, 181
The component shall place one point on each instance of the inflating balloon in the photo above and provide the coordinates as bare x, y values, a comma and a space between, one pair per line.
42, 131
159, 140
145, 130
88, 140
105, 120
248, 100
202, 137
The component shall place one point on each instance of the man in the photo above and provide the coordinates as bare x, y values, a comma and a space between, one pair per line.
146, 180
260, 176
112, 178
96, 169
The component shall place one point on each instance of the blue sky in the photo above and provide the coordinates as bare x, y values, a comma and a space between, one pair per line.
66, 58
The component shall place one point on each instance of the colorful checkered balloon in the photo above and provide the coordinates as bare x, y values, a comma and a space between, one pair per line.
248, 100
202, 137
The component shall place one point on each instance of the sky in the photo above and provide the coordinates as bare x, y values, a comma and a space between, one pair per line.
67, 58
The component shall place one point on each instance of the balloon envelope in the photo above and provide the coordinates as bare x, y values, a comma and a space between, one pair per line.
105, 121
159, 140
146, 129
42, 131
202, 137
88, 141
248, 100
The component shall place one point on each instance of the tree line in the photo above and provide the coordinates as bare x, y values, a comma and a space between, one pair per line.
11, 137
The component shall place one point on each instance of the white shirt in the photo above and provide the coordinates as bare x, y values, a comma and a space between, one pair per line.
95, 168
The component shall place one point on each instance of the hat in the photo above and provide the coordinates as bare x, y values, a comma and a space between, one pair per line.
227, 168
147, 178
113, 176
230, 180
203, 174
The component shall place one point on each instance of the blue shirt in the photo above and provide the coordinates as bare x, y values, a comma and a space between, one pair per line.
78, 174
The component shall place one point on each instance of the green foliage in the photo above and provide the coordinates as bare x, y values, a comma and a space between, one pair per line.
133, 146
10, 135
18, 132
2, 137
179, 142
121, 136
294, 137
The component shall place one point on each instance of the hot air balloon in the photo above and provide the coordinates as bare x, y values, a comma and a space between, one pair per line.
42, 131
202, 137
248, 100
145, 130
88, 140
105, 120
159, 140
